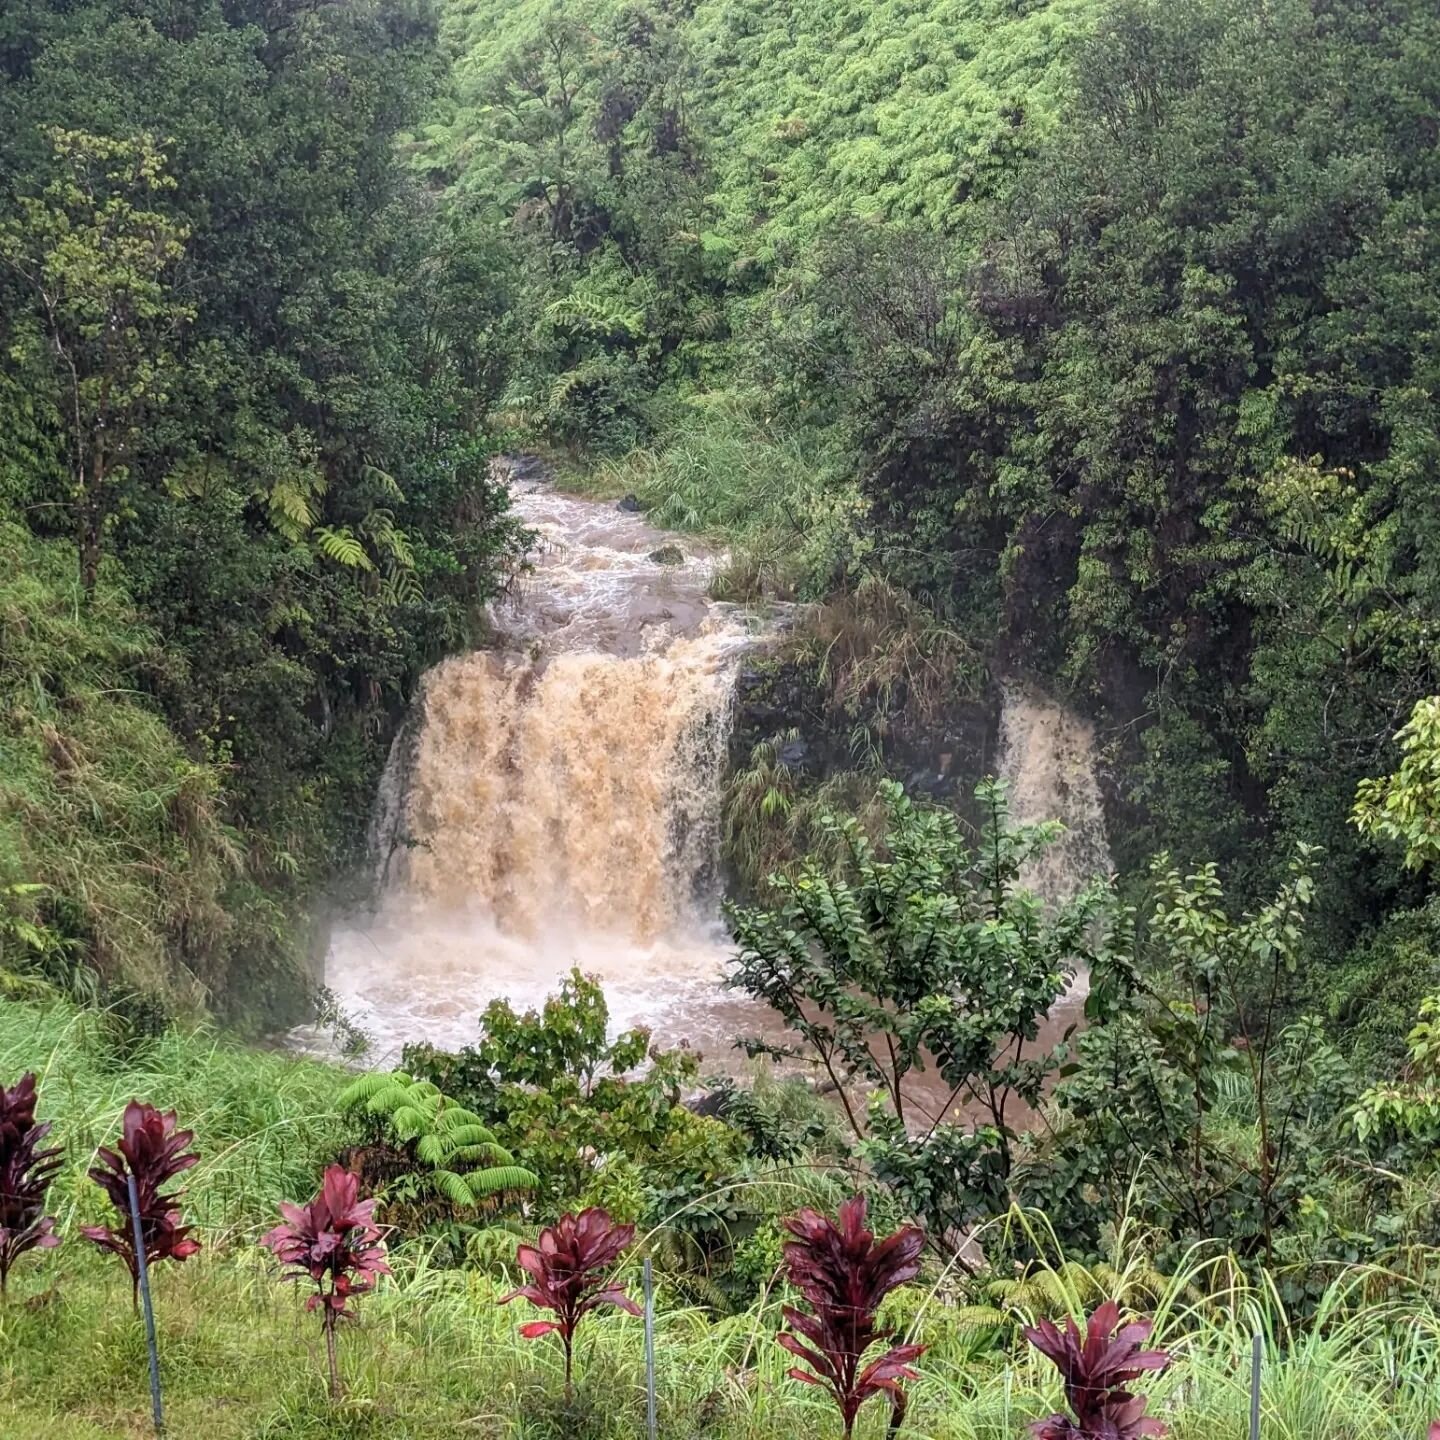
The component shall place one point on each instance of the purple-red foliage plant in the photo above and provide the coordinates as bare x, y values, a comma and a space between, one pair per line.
569, 1274
153, 1150
335, 1244
1097, 1368
26, 1171
843, 1273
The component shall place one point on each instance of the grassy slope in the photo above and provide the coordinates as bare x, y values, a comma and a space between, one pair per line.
432, 1355
110, 836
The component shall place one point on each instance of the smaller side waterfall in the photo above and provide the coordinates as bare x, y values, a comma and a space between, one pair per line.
1048, 758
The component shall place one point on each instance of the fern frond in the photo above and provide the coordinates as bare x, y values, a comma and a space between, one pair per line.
482, 1154
432, 1149
291, 508
402, 586
408, 1122
340, 544
500, 1178
367, 1087
596, 314
454, 1188
385, 482
462, 1127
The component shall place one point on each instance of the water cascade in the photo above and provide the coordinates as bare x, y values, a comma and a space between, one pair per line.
1048, 758
555, 800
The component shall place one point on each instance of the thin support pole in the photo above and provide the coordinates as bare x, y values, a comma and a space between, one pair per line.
649, 1282
1256, 1353
156, 1408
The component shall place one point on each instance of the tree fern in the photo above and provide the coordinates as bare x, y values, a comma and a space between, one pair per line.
442, 1139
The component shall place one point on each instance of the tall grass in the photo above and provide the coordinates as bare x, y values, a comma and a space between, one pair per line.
782, 505
263, 1123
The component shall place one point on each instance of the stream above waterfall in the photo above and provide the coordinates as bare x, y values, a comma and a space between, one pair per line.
555, 801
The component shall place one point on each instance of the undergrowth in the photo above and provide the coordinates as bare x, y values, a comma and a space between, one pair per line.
264, 1122
719, 469
433, 1355
113, 850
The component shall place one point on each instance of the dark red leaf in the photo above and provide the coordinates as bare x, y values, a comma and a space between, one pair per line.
1096, 1368
154, 1151
843, 1273
26, 1171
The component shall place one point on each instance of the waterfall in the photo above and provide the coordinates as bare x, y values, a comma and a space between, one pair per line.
555, 800
582, 789
1049, 762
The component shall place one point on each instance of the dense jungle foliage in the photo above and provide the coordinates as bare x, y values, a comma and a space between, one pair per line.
243, 474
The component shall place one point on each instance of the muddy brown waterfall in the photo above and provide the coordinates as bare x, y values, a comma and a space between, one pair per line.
555, 800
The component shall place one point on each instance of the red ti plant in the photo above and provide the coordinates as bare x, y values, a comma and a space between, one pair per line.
334, 1242
844, 1273
153, 1151
570, 1275
1097, 1367
25, 1175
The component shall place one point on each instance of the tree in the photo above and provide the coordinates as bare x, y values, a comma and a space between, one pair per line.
923, 952
1198, 1019
98, 259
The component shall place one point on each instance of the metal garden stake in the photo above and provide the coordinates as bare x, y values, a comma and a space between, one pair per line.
649, 1282
1255, 1356
156, 1409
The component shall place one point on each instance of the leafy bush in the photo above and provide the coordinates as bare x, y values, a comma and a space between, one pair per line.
332, 1242
554, 1089
25, 1174
844, 1274
922, 950
1097, 1367
569, 1275
153, 1151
